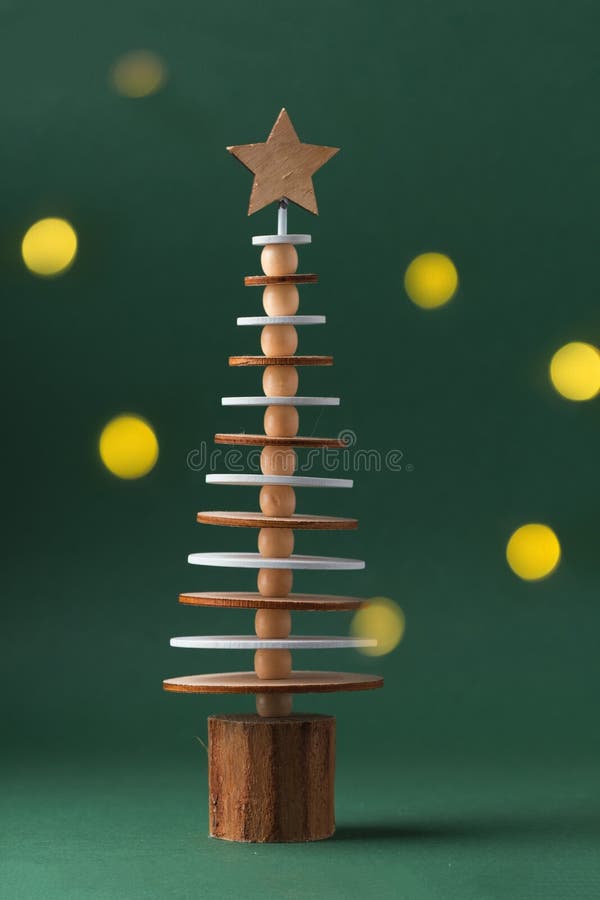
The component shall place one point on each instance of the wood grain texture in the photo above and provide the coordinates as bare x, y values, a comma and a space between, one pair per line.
296, 278
281, 360
263, 440
259, 520
256, 600
299, 682
283, 166
271, 780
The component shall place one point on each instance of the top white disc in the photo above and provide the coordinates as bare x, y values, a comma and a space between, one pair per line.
259, 240
281, 320
252, 642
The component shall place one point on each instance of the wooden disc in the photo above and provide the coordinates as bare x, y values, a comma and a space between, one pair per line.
262, 280
252, 642
254, 600
281, 360
296, 683
229, 560
264, 440
259, 520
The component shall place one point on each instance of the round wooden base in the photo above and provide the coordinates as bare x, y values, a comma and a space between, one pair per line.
271, 780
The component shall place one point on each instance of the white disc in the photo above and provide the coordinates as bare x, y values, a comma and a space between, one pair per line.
252, 642
259, 240
293, 480
281, 320
256, 561
280, 401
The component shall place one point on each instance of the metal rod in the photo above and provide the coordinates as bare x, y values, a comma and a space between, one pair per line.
282, 217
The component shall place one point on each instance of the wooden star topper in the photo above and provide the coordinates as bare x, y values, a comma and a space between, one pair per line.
283, 167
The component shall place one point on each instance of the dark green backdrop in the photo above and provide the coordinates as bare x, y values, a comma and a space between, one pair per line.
467, 128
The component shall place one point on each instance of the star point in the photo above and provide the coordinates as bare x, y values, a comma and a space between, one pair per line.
283, 166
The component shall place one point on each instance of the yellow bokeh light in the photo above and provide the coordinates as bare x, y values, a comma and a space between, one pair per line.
49, 246
382, 619
431, 280
533, 551
575, 371
138, 73
128, 447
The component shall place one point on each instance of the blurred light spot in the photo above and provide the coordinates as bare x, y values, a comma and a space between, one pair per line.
49, 246
382, 619
575, 371
431, 280
533, 551
138, 74
128, 447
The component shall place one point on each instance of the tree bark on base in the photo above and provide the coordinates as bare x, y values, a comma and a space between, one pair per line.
271, 779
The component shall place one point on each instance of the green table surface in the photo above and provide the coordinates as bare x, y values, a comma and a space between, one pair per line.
405, 830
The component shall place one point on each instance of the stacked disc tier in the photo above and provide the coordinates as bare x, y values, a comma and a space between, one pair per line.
273, 680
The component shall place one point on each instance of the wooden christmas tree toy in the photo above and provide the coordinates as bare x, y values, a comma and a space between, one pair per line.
271, 775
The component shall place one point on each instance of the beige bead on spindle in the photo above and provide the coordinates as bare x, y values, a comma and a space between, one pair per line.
280, 381
272, 663
278, 460
281, 299
279, 340
273, 623
281, 421
274, 582
273, 705
275, 542
279, 259
277, 500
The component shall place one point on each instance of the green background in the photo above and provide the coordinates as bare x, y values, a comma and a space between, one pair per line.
467, 128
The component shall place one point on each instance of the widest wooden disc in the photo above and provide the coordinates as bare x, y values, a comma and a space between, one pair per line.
262, 280
259, 520
254, 600
295, 683
262, 440
281, 360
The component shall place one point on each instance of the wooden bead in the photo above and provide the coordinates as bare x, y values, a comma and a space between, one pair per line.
272, 663
280, 381
279, 340
275, 541
275, 582
279, 259
281, 421
277, 500
272, 705
278, 460
281, 299
273, 623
